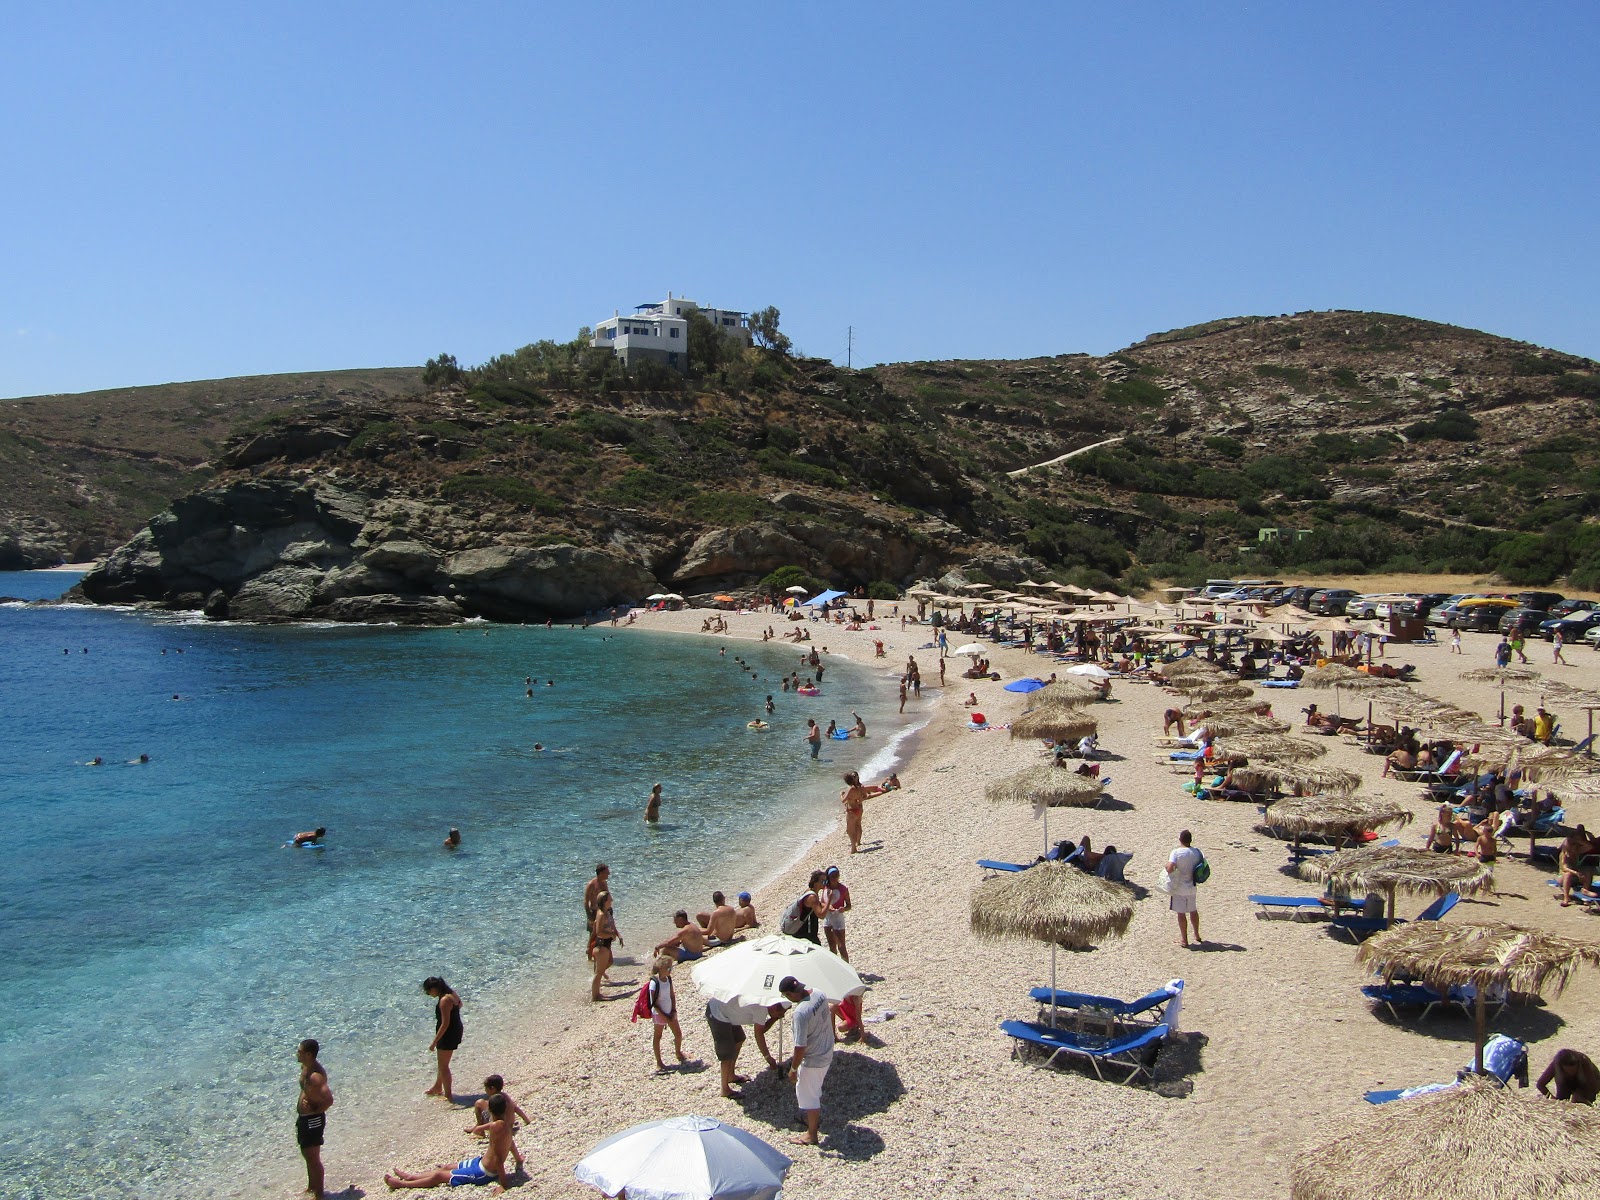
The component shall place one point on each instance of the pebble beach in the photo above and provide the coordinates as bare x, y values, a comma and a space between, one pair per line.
1277, 1044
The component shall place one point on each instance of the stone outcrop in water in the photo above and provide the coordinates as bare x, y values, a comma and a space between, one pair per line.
280, 550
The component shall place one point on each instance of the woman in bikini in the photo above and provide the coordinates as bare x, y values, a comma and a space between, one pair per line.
605, 932
1442, 837
854, 799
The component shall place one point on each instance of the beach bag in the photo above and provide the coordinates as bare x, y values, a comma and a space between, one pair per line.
1202, 869
641, 1002
794, 917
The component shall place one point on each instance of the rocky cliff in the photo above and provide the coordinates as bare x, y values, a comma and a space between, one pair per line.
1356, 440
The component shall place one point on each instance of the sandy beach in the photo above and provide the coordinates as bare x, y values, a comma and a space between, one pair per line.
1277, 1047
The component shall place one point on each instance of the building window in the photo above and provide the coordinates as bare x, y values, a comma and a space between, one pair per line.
674, 333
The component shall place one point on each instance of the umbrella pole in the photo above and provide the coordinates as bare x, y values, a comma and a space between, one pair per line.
1391, 903
1052, 985
1480, 1027
1368, 738
1588, 747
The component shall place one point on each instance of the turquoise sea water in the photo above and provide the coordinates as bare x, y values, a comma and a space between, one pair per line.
162, 953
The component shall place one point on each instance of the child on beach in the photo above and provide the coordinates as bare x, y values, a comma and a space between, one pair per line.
493, 1086
664, 1012
490, 1167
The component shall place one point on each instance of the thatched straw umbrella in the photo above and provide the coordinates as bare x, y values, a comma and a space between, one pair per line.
1067, 693
1549, 765
1473, 1141
1314, 777
1056, 722
1389, 868
1487, 956
1224, 725
1052, 902
1327, 816
1274, 748
1049, 787
1046, 788
1209, 692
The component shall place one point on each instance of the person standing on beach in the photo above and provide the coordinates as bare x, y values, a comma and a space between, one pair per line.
591, 893
814, 736
902, 693
1558, 641
447, 1031
604, 929
1181, 886
664, 1012
854, 798
1455, 641
813, 1053
837, 900
652, 807
311, 1112
727, 1023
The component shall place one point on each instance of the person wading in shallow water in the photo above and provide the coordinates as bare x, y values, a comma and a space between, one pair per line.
447, 1032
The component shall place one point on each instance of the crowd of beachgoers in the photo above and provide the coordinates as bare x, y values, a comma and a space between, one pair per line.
1168, 768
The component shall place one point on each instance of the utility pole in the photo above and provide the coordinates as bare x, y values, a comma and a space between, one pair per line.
850, 348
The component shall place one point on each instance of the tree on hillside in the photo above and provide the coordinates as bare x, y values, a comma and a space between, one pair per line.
441, 371
764, 329
707, 346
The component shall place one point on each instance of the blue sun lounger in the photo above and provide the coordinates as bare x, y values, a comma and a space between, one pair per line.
989, 864
1395, 996
1504, 1058
1152, 1006
1133, 1055
1362, 927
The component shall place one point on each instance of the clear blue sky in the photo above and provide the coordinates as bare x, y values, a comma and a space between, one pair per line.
214, 189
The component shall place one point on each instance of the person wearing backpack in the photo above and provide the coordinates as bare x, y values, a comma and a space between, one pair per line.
663, 1003
1184, 871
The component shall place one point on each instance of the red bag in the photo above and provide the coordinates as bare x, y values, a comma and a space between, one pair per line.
641, 1003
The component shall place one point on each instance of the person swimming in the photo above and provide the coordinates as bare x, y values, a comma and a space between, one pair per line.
95, 761
309, 837
452, 840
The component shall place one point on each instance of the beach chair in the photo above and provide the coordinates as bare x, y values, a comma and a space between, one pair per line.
1395, 996
1130, 1056
1504, 1059
1294, 907
1360, 928
989, 864
1149, 1009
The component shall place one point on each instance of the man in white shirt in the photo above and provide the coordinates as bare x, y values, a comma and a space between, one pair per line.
1181, 886
813, 1052
727, 1023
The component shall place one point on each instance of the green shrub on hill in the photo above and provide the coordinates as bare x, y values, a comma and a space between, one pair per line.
728, 508
501, 487
775, 462
1452, 425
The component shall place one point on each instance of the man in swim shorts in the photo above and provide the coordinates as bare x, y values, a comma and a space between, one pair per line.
311, 1113
727, 1023
744, 917
689, 943
490, 1167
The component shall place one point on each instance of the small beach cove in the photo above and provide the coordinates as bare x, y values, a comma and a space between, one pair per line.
155, 900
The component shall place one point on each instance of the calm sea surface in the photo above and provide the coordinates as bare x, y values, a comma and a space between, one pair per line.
161, 951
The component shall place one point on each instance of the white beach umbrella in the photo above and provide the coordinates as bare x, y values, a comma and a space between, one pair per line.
1090, 670
796, 590
656, 596
749, 973
685, 1158
969, 648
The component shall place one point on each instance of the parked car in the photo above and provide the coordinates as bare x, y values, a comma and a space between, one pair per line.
1300, 597
1426, 602
1570, 606
1440, 613
1525, 621
1573, 626
1544, 600
1481, 613
1593, 637
1330, 602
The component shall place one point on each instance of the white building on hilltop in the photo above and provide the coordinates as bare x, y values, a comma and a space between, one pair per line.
660, 331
